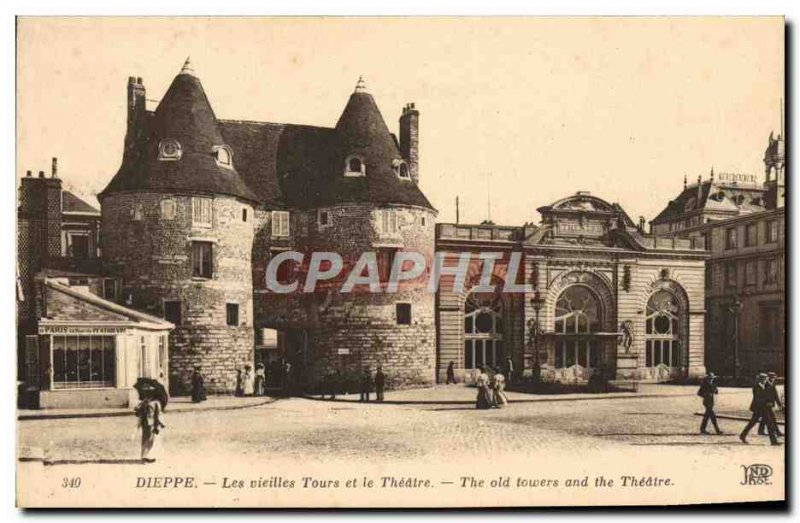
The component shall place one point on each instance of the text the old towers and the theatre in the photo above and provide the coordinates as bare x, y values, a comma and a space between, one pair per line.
222, 243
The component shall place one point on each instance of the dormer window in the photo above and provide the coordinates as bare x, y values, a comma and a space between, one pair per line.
223, 155
169, 150
354, 166
400, 168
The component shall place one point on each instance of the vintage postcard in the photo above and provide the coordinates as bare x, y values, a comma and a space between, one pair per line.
400, 262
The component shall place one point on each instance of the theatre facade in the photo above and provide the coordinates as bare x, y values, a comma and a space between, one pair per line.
593, 293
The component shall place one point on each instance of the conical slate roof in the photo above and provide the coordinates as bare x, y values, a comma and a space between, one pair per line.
362, 131
184, 115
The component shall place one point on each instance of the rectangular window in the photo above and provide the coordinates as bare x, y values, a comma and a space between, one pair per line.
280, 224
771, 271
244, 215
387, 222
172, 312
232, 314
202, 212
323, 218
201, 259
772, 231
110, 291
730, 238
385, 262
751, 236
730, 274
83, 361
750, 273
403, 312
768, 324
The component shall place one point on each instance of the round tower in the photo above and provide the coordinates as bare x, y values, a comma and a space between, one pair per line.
177, 229
369, 202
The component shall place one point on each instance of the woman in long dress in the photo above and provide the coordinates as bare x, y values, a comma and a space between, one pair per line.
247, 381
500, 398
483, 400
259, 380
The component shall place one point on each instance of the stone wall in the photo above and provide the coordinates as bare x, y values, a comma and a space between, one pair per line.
356, 330
147, 241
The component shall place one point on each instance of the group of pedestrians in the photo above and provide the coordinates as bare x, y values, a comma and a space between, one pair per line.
762, 406
334, 384
254, 383
491, 389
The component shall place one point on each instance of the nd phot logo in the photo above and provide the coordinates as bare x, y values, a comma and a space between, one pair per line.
757, 474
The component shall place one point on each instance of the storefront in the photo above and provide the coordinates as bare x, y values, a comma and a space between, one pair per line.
88, 351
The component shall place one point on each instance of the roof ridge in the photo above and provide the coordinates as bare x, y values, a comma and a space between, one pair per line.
276, 124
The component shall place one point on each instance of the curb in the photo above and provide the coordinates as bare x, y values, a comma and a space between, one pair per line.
541, 399
735, 418
78, 415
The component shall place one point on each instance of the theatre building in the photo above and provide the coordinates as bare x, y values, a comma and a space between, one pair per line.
592, 292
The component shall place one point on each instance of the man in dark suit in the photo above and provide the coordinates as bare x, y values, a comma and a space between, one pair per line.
769, 413
708, 389
761, 397
366, 384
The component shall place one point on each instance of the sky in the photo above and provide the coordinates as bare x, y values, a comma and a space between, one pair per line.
515, 113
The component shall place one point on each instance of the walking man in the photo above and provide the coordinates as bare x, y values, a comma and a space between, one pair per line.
451, 374
775, 399
380, 383
761, 397
366, 384
708, 389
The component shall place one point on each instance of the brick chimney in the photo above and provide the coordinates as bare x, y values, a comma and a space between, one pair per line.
136, 109
409, 139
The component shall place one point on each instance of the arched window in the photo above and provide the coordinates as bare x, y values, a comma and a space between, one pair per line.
354, 166
577, 318
483, 331
662, 330
223, 155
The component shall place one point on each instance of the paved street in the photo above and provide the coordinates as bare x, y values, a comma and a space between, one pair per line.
325, 430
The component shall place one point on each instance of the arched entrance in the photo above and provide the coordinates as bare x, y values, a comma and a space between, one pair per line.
483, 331
578, 317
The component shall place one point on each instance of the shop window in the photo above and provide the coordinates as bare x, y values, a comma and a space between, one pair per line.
172, 312
403, 313
83, 361
201, 259
232, 314
202, 212
280, 224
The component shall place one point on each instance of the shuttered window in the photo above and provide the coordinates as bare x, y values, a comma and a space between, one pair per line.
202, 211
280, 223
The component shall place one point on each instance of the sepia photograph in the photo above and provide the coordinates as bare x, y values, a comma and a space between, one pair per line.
400, 262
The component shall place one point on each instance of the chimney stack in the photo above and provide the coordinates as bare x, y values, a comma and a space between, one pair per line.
41, 174
136, 109
54, 168
641, 224
409, 139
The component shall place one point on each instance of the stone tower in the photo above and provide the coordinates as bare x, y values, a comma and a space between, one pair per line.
177, 229
355, 193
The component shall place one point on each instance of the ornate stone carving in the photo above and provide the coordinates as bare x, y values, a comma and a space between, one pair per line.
626, 335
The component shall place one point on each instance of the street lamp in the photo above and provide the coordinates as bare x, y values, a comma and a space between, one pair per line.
735, 308
536, 303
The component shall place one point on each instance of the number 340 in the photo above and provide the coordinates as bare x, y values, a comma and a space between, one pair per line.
71, 482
